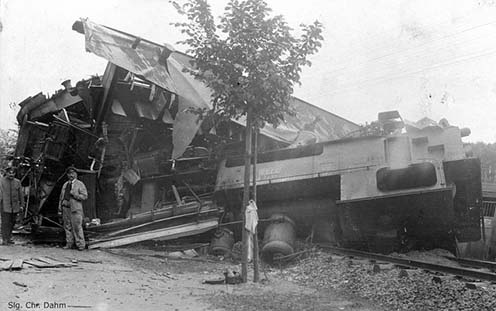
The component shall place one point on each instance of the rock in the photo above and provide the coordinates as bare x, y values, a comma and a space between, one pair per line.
190, 253
471, 285
175, 254
376, 269
436, 280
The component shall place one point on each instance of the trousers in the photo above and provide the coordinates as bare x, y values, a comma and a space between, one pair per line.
73, 227
8, 222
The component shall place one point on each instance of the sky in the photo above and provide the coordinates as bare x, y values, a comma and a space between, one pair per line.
424, 58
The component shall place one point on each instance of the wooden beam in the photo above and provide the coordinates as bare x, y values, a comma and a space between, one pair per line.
118, 232
109, 81
163, 234
55, 262
6, 265
16, 264
176, 195
39, 264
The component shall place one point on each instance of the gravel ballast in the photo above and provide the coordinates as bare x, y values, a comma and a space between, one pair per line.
389, 286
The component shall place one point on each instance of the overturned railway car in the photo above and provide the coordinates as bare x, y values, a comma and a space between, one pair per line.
414, 189
139, 148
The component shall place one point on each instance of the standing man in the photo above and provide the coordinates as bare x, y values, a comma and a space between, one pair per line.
71, 208
11, 202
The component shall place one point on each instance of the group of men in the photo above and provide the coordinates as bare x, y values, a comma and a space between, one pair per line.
70, 207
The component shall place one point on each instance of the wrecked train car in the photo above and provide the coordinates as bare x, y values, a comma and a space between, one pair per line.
143, 154
132, 140
146, 157
54, 133
124, 159
393, 186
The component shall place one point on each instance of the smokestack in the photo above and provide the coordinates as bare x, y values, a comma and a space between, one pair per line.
67, 84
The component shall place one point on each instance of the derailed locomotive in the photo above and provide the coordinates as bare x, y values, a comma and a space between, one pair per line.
406, 186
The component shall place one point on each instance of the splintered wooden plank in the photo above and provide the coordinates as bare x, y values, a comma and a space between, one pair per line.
39, 264
57, 263
6, 265
55, 260
17, 264
48, 261
164, 234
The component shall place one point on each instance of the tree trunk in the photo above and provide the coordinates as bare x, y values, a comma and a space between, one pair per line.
256, 273
246, 194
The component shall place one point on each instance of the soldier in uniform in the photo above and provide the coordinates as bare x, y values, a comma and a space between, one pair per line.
71, 209
11, 203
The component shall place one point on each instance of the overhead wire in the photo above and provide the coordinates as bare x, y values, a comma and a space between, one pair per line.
434, 40
420, 57
387, 78
420, 53
374, 38
350, 56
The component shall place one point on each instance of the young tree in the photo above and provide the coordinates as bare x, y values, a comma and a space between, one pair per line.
8, 140
251, 62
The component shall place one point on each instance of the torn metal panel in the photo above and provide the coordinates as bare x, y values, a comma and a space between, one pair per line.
117, 108
108, 84
134, 102
142, 57
324, 125
29, 104
423, 123
59, 101
120, 49
191, 94
22, 137
151, 110
157, 64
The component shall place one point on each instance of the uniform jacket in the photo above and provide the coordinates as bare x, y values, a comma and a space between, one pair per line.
78, 195
12, 198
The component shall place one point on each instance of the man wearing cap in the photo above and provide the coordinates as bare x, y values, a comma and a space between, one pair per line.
11, 202
71, 208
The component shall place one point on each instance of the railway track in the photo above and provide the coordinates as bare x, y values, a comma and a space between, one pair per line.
414, 263
474, 263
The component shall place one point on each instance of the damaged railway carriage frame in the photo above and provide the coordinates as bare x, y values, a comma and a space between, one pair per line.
54, 133
399, 190
116, 150
130, 138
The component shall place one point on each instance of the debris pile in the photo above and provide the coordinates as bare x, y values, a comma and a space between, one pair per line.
38, 262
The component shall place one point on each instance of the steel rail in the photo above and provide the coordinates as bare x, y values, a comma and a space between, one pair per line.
473, 262
464, 272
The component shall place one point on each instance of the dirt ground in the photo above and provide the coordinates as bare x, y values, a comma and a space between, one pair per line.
135, 278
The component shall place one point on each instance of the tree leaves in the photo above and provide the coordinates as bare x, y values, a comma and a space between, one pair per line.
249, 58
8, 140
